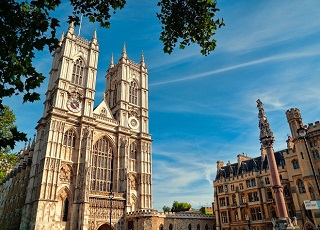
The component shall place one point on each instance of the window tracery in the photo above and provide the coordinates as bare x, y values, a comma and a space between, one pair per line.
133, 93
102, 166
77, 73
133, 157
69, 138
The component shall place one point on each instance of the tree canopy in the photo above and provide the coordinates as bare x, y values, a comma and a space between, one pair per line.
7, 132
180, 206
27, 27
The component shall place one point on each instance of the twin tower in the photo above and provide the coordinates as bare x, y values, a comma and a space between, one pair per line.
90, 163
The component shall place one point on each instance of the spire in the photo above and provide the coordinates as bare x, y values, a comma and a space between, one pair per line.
29, 143
111, 65
71, 29
94, 37
142, 60
61, 38
124, 51
34, 141
266, 135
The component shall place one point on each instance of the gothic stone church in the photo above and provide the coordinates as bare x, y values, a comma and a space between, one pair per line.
85, 161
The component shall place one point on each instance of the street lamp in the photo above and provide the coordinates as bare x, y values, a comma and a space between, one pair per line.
111, 196
302, 132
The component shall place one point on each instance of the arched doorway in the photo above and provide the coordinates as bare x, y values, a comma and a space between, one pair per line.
105, 227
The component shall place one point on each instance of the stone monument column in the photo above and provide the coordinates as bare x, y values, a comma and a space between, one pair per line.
267, 140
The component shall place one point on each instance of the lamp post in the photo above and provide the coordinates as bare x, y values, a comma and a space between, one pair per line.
111, 196
302, 132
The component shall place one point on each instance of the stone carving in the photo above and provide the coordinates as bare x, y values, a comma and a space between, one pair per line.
266, 135
295, 222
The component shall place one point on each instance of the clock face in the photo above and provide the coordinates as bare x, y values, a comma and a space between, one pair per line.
74, 105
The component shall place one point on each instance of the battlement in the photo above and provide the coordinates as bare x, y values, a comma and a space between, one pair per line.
293, 113
82, 41
312, 127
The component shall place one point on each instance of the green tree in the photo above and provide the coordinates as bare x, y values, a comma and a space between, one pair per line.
27, 27
7, 132
166, 209
6, 162
180, 206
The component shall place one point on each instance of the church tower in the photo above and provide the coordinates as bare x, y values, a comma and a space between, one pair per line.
90, 163
127, 96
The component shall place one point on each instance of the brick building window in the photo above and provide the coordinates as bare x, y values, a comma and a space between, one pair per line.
267, 180
224, 217
301, 186
295, 164
248, 183
253, 182
241, 186
222, 201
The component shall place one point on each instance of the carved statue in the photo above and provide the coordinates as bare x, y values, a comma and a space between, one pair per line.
295, 222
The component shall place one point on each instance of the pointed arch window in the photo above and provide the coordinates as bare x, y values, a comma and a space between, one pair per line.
102, 166
133, 157
189, 227
206, 227
69, 138
170, 227
65, 210
115, 94
77, 73
198, 227
133, 93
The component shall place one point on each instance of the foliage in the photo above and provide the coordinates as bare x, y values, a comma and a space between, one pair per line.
180, 206
192, 21
27, 27
166, 209
8, 131
6, 163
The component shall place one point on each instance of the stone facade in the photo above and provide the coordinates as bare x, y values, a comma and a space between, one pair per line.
243, 193
154, 220
85, 160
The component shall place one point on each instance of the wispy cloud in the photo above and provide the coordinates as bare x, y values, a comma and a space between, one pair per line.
286, 56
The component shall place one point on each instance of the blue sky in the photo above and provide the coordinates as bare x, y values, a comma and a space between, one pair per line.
203, 109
